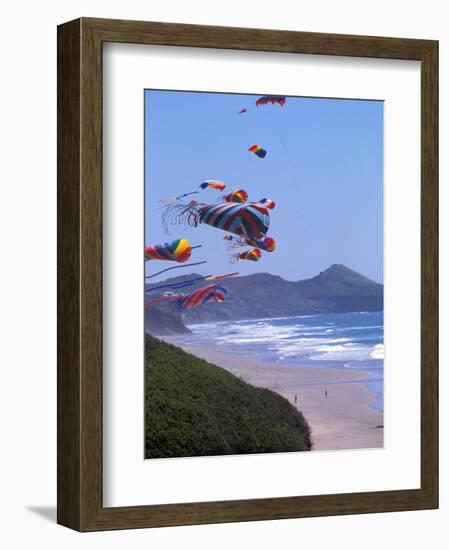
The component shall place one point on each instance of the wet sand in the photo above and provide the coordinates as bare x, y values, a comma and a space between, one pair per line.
342, 420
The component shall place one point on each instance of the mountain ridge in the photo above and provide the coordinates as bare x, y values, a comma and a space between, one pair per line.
337, 289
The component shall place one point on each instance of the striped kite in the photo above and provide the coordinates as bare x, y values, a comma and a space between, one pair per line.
248, 220
201, 296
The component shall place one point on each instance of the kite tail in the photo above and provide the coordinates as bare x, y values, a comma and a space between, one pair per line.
165, 299
233, 245
174, 267
187, 194
178, 285
215, 277
180, 214
233, 242
234, 258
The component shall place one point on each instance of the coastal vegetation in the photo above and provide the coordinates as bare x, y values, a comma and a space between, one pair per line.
194, 408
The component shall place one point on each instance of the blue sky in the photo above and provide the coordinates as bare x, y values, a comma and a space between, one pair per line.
324, 169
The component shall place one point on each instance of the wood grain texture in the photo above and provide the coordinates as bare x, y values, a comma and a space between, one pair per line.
429, 272
80, 274
69, 408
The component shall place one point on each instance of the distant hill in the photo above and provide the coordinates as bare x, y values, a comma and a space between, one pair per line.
194, 408
338, 289
164, 322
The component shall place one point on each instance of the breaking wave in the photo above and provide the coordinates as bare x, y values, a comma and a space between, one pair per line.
337, 337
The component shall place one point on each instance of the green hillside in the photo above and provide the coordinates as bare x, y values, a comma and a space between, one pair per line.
194, 408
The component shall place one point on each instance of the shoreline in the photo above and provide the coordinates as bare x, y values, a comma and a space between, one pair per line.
342, 420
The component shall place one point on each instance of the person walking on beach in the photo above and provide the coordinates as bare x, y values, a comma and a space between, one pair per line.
296, 399
325, 394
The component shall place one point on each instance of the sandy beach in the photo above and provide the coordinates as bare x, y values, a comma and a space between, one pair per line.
342, 420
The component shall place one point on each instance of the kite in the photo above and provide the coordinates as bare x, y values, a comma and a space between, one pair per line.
253, 255
268, 244
176, 251
239, 195
195, 298
264, 100
202, 296
244, 110
248, 220
268, 203
257, 150
213, 184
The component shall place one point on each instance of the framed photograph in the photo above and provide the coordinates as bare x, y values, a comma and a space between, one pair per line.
247, 274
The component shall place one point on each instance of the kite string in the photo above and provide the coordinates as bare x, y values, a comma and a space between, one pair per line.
278, 128
164, 299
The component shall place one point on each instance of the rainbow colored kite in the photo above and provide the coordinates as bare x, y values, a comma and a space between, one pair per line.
258, 151
239, 195
252, 255
176, 251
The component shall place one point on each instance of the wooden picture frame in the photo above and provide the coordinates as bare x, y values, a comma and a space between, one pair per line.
80, 504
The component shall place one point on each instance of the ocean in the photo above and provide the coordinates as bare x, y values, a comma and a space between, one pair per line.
344, 340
